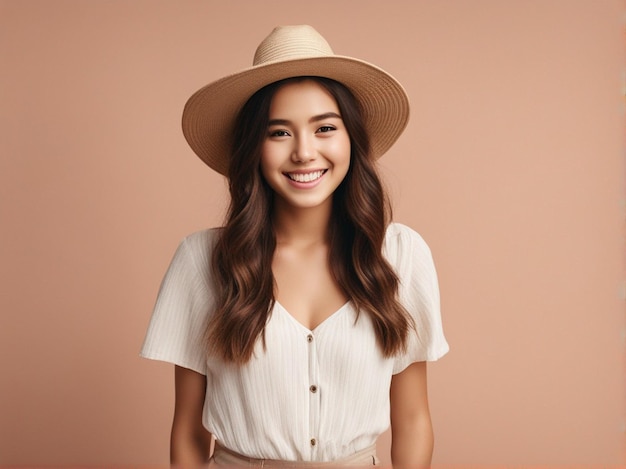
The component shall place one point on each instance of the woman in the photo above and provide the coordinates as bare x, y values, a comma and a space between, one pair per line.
301, 329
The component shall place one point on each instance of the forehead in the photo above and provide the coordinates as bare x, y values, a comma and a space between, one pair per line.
302, 97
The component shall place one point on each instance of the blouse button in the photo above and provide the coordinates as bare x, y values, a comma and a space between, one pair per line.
309, 338
313, 441
313, 388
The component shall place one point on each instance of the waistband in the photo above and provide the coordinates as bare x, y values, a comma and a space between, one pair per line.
225, 457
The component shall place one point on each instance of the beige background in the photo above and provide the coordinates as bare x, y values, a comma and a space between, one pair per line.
511, 168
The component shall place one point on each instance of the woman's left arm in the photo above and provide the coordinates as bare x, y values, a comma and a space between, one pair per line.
412, 438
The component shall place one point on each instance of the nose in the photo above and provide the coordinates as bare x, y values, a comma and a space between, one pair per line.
304, 150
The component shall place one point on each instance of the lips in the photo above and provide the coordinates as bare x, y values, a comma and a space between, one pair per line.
306, 177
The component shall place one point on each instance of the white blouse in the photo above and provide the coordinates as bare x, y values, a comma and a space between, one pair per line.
311, 395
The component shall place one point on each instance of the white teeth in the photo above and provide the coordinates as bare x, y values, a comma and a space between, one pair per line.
305, 177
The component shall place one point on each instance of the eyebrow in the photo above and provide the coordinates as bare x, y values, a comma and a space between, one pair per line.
320, 117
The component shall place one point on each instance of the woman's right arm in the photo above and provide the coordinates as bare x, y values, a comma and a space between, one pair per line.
190, 442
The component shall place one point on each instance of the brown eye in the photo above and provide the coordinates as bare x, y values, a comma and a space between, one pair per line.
326, 128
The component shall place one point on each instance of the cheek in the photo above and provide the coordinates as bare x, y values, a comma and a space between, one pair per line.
269, 163
342, 151
272, 152
266, 158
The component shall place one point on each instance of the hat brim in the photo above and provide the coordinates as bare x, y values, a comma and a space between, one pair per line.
210, 113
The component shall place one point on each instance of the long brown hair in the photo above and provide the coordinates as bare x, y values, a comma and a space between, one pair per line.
242, 255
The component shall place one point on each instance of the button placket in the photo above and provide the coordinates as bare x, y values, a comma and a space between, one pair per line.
314, 396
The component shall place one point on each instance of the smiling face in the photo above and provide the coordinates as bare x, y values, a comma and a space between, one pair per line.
306, 152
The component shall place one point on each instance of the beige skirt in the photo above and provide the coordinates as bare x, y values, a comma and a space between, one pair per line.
225, 457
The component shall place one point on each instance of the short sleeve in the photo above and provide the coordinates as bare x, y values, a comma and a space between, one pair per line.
176, 330
418, 292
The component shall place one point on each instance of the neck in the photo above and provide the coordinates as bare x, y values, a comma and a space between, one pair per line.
301, 225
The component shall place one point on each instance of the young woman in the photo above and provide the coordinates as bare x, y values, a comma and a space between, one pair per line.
301, 329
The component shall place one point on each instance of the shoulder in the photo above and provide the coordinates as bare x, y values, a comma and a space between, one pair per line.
195, 250
401, 241
201, 242
408, 254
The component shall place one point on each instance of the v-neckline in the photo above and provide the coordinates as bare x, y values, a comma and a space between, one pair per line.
331, 316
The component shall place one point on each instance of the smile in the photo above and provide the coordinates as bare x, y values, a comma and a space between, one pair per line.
306, 177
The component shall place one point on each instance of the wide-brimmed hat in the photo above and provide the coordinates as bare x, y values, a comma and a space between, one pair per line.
291, 51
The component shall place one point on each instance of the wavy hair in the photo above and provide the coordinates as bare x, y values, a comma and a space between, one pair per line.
242, 255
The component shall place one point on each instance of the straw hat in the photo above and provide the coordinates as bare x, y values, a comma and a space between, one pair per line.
291, 51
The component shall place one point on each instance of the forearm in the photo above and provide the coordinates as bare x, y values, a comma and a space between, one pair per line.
189, 449
190, 442
412, 445
412, 438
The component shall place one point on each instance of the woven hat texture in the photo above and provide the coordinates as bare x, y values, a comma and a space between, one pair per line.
291, 51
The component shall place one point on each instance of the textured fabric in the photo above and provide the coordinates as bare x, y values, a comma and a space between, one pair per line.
311, 395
